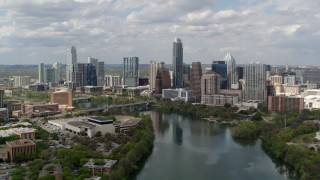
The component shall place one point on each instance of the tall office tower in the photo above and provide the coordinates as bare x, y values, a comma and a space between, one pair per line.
232, 75
195, 79
84, 74
71, 59
165, 76
20, 81
268, 70
158, 83
130, 71
186, 75
1, 98
177, 63
210, 85
99, 69
220, 67
50, 75
58, 71
41, 71
255, 81
240, 73
154, 66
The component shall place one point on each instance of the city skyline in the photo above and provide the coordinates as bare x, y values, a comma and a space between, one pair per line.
270, 31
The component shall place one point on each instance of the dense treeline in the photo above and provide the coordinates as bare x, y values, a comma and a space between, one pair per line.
131, 154
226, 112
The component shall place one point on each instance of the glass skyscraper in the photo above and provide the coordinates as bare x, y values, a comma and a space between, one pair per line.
71, 59
130, 71
232, 75
177, 63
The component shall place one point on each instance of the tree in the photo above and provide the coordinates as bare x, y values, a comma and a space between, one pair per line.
257, 117
98, 134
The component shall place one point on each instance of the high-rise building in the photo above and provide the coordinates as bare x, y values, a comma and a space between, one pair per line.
220, 67
158, 83
232, 75
165, 76
130, 71
255, 81
210, 85
20, 81
71, 59
177, 63
41, 71
1, 97
58, 71
195, 79
99, 69
154, 66
285, 104
276, 79
186, 75
84, 74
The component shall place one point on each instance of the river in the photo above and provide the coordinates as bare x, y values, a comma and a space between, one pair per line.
190, 148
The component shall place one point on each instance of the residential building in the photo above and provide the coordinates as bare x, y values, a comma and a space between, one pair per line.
112, 81
255, 82
219, 100
220, 67
232, 76
210, 85
71, 59
58, 72
284, 104
20, 81
41, 71
154, 66
93, 89
291, 80
131, 71
21, 146
62, 97
195, 79
179, 94
177, 63
287, 89
186, 75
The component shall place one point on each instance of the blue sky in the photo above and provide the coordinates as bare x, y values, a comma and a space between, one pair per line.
270, 31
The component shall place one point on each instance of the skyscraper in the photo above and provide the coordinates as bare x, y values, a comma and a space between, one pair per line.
177, 63
220, 67
99, 69
41, 71
154, 66
58, 71
232, 76
84, 74
255, 81
195, 79
130, 71
210, 85
71, 59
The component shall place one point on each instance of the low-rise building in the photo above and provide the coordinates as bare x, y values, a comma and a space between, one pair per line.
62, 97
100, 165
38, 110
23, 133
179, 95
219, 99
21, 146
85, 125
93, 89
312, 102
124, 123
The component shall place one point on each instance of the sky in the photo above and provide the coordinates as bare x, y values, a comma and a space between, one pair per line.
270, 31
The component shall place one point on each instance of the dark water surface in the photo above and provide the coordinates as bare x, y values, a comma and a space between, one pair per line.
188, 148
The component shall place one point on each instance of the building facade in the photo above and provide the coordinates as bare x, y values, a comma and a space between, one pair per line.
232, 75
179, 95
153, 71
22, 146
20, 81
113, 80
220, 67
99, 65
177, 63
210, 85
1, 98
195, 79
131, 71
284, 104
71, 59
255, 82
41, 71
62, 97
276, 79
84, 74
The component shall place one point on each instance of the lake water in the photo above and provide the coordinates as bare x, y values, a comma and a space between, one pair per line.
189, 148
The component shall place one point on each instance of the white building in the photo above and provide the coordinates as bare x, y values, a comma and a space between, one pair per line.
179, 94
113, 80
87, 125
20, 81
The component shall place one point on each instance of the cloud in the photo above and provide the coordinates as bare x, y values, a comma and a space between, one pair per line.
268, 30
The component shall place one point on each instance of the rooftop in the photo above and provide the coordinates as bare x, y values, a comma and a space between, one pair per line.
81, 124
108, 163
20, 142
99, 118
23, 130
127, 120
